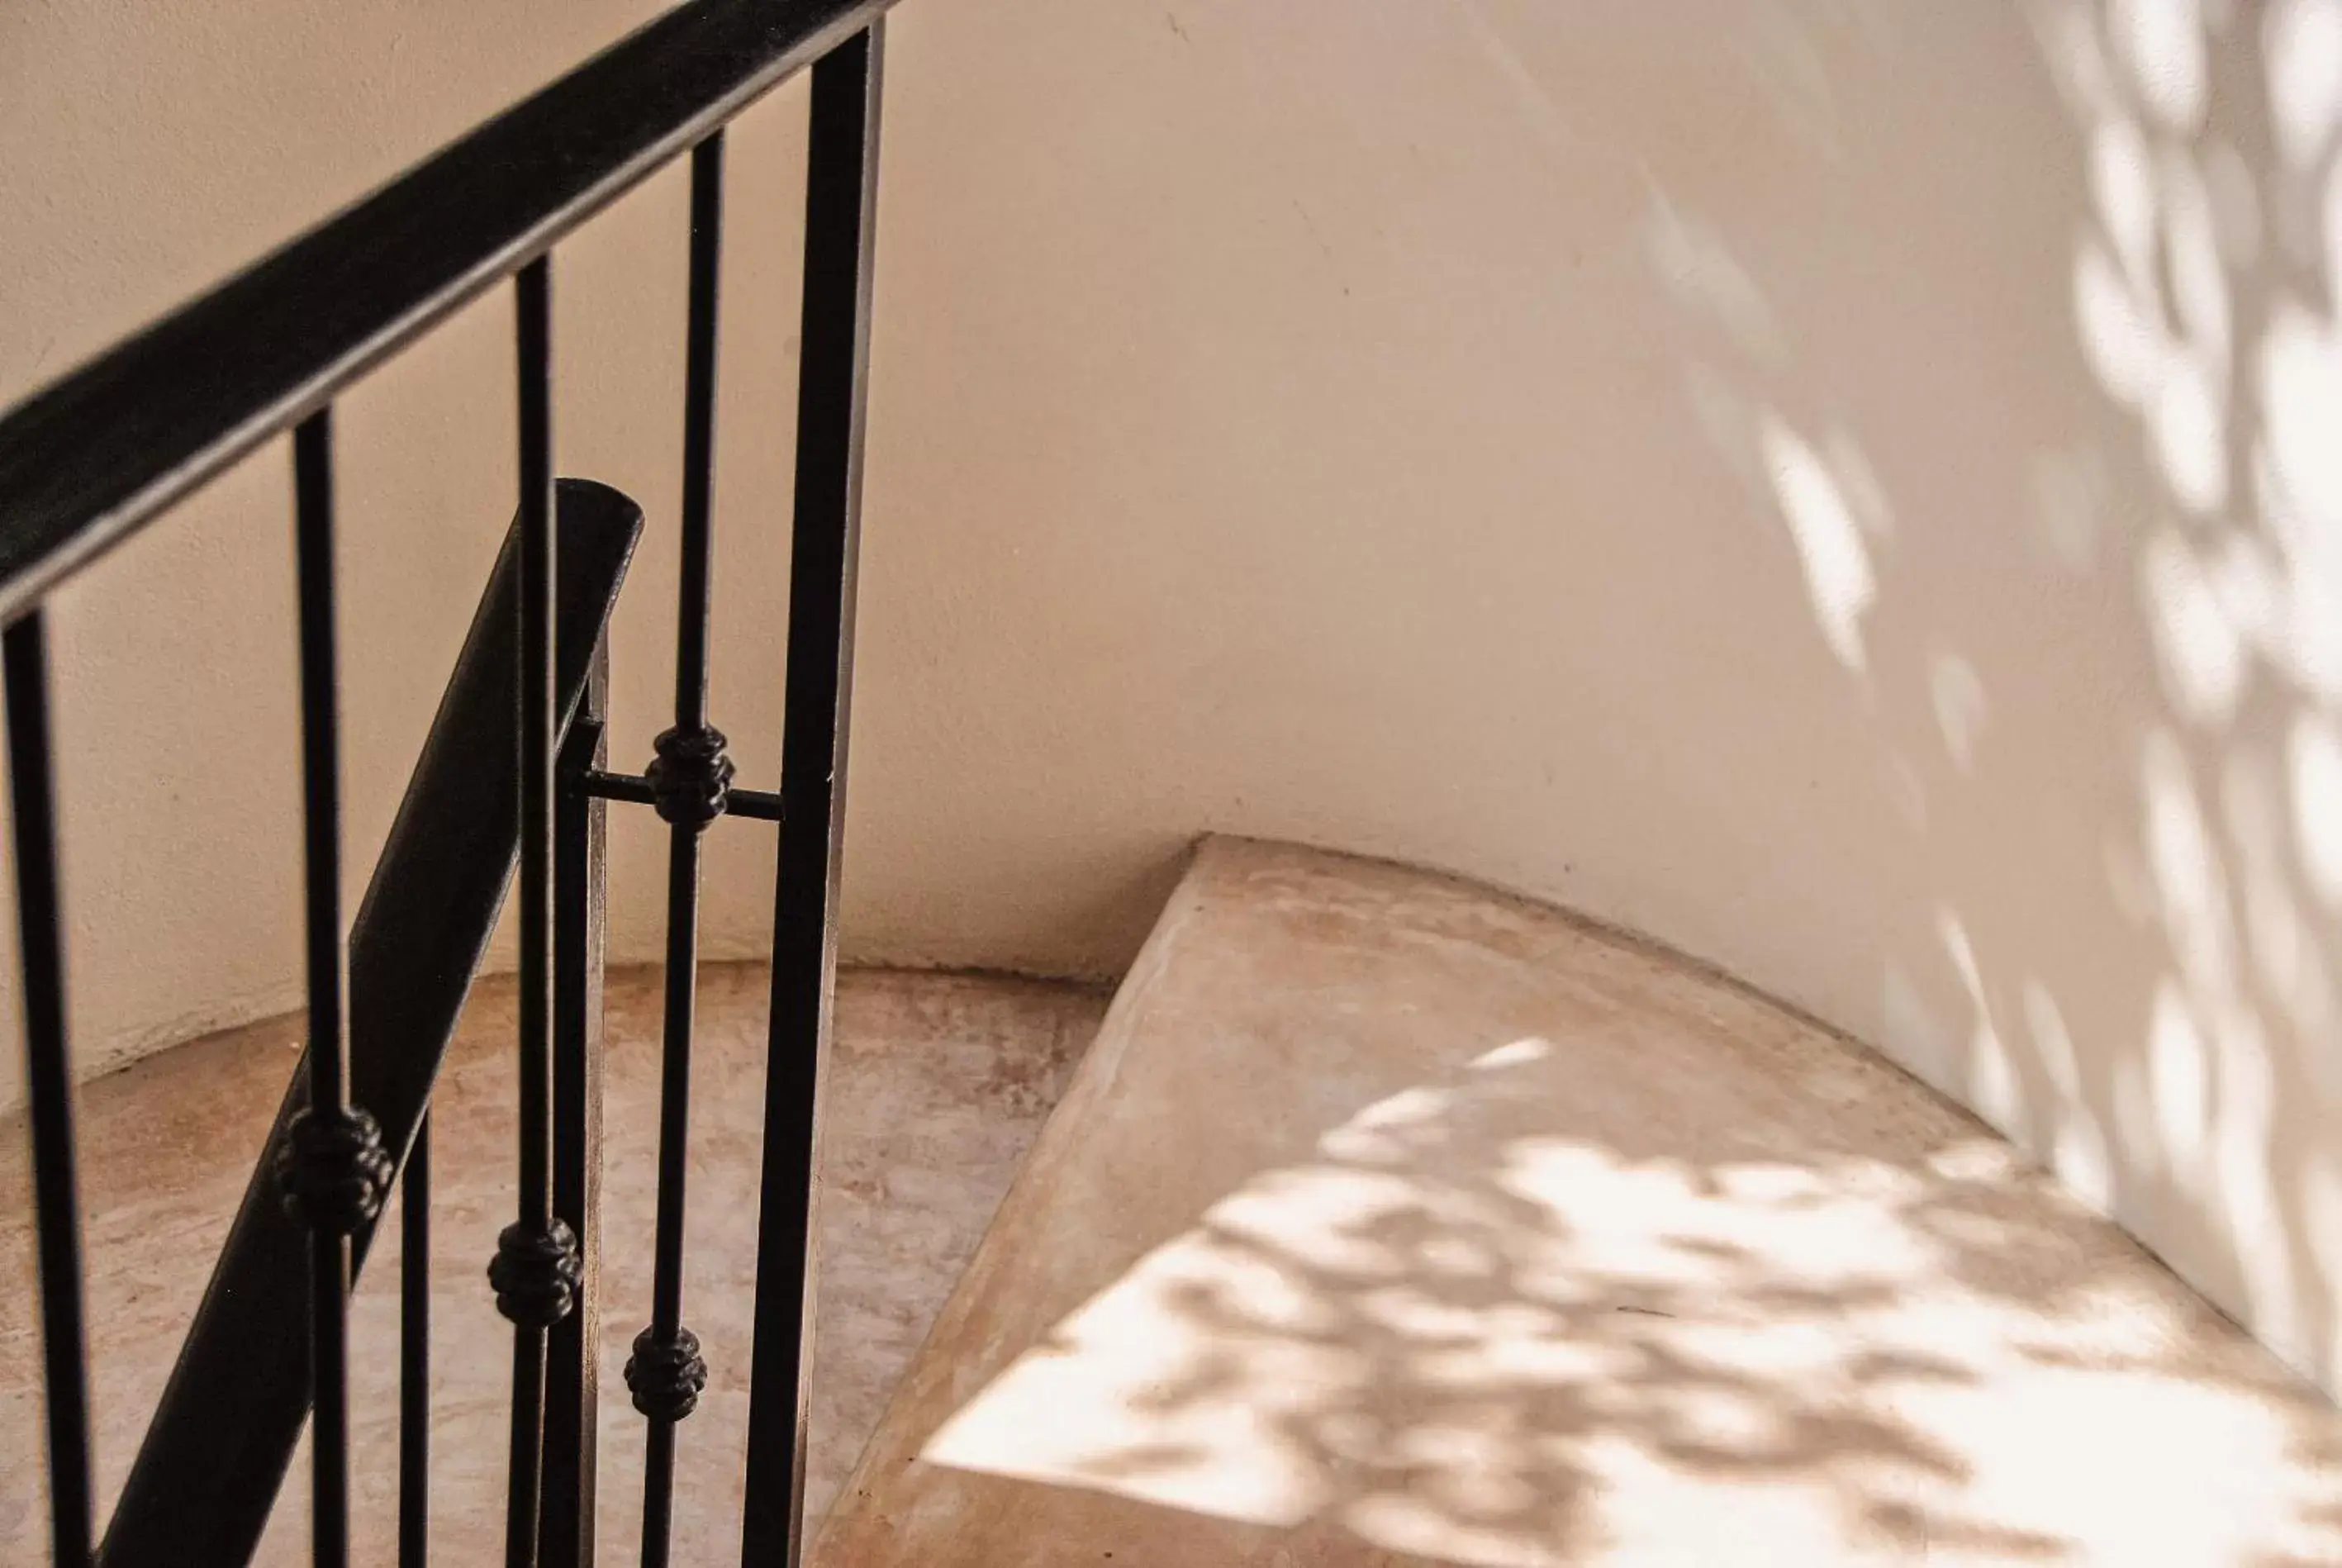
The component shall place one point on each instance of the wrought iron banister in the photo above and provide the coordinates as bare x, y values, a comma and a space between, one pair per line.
87, 461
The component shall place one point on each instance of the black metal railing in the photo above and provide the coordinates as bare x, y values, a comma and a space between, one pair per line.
88, 462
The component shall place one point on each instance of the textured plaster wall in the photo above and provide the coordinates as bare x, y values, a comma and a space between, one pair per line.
1847, 487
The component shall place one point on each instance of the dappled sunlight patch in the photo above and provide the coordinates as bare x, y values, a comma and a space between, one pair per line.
2179, 1079
2191, 278
2203, 259
2189, 1092
1175, 1387
2151, 300
2302, 51
2315, 755
1838, 574
2118, 338
2077, 1145
1520, 1054
1990, 1075
1460, 1334
1704, 275
2281, 924
2185, 863
2162, 41
2300, 387
2203, 652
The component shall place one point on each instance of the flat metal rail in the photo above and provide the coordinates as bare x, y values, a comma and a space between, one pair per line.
88, 460
217, 1450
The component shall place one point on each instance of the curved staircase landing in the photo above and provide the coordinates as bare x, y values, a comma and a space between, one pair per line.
1392, 1221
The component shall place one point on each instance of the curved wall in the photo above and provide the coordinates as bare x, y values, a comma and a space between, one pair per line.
1844, 488
1848, 489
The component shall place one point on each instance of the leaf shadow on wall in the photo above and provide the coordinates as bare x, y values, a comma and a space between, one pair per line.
2183, 1075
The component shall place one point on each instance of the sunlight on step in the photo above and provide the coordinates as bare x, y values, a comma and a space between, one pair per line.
1458, 1337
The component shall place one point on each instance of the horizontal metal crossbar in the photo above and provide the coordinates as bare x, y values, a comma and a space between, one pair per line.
761, 804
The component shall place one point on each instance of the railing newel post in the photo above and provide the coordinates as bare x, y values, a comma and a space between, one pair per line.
841, 209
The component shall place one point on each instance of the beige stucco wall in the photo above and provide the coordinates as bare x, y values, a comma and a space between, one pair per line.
1845, 487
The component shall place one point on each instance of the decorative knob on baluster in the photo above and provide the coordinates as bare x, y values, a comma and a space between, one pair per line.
665, 1376
536, 1272
334, 1169
690, 777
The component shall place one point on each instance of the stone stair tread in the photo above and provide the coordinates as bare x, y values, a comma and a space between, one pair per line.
1392, 1221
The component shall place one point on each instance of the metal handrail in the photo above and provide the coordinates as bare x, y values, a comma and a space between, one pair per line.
102, 451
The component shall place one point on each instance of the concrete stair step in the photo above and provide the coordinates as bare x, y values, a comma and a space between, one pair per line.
1392, 1221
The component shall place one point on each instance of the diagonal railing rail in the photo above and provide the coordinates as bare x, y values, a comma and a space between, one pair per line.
208, 1472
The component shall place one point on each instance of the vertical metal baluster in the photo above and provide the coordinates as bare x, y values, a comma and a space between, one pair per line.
333, 1166
40, 924
415, 1352
841, 191
690, 777
536, 1268
572, 1381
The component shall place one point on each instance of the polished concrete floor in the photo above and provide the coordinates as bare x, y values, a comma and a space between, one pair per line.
1391, 1223
938, 1086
